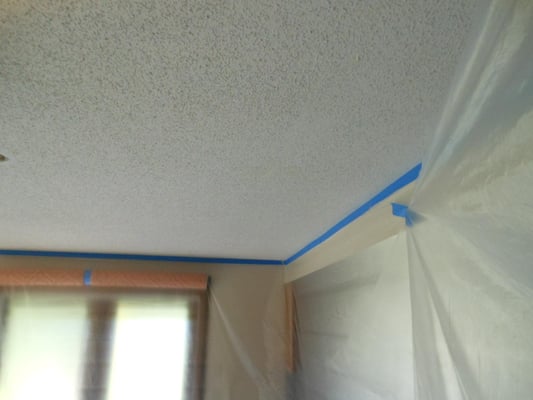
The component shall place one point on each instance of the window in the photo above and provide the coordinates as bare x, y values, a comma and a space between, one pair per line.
100, 344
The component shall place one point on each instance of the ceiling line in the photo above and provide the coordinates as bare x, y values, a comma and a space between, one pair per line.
138, 257
399, 183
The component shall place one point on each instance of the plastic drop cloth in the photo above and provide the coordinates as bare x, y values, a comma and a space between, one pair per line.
355, 327
452, 317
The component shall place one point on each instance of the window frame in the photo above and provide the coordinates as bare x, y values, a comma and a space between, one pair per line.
101, 312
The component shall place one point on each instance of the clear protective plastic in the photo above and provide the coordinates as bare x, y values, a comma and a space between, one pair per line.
355, 327
471, 246
452, 317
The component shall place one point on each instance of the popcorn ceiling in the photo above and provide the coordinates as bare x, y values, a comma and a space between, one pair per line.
212, 129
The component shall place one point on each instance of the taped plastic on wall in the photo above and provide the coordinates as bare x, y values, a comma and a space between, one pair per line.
355, 327
466, 286
471, 255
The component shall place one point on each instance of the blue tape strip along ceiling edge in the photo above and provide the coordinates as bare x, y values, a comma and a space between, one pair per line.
404, 180
137, 257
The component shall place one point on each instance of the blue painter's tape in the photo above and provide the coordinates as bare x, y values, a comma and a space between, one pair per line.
404, 180
87, 277
401, 210
139, 257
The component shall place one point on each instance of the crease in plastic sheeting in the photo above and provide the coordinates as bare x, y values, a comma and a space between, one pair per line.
474, 87
348, 359
267, 391
433, 300
355, 327
490, 315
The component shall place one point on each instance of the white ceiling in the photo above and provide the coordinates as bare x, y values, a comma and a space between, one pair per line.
211, 128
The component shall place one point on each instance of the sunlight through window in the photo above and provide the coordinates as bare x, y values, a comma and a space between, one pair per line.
48, 348
149, 352
42, 348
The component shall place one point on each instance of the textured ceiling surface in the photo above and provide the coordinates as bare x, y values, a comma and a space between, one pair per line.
212, 128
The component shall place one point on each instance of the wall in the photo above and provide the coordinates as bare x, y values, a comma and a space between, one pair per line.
375, 225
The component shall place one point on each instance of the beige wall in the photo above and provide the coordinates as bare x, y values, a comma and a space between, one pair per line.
372, 227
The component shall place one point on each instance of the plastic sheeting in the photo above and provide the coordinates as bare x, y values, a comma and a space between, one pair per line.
466, 287
355, 327
471, 252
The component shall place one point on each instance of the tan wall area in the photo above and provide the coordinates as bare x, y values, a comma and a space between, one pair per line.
372, 227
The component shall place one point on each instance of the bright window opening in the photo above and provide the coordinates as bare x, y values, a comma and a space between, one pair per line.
42, 349
79, 346
149, 352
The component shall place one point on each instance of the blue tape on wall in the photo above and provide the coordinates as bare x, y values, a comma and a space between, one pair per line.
404, 180
401, 210
87, 277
